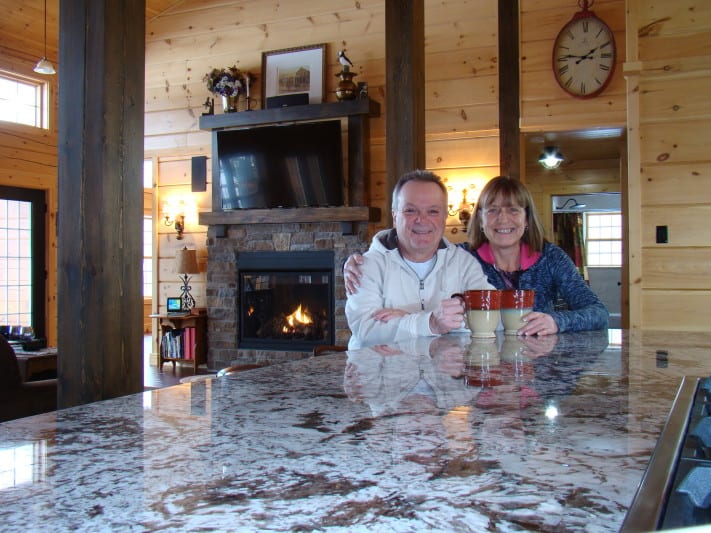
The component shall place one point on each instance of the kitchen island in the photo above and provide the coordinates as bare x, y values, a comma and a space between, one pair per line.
445, 434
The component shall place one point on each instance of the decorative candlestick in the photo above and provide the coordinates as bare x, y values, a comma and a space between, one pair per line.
248, 81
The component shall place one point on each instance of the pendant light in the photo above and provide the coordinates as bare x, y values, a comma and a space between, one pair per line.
44, 66
551, 158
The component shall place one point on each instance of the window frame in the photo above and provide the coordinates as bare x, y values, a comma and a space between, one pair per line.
37, 197
42, 88
588, 240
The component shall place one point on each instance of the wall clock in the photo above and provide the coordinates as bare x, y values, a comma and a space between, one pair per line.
584, 54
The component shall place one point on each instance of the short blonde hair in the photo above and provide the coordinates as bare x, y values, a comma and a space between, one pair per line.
512, 191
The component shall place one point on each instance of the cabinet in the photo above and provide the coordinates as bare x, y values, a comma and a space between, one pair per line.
198, 323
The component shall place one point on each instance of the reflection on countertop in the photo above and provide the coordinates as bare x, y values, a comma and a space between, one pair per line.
440, 433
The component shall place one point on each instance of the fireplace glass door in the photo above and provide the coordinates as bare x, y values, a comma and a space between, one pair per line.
286, 300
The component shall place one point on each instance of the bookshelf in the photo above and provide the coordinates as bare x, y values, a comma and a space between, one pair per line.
183, 339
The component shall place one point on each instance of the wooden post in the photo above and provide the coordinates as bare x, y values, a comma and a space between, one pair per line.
100, 226
509, 92
404, 88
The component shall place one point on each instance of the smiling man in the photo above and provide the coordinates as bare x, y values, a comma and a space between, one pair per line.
411, 270
507, 239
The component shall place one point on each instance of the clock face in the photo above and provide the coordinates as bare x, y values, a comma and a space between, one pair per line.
584, 56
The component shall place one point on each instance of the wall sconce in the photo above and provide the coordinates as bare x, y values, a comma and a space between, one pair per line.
179, 221
186, 262
550, 158
571, 203
175, 216
464, 210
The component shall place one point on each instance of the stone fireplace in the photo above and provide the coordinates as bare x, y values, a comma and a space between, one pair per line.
227, 243
285, 300
307, 228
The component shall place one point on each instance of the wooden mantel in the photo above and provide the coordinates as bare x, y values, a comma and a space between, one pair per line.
289, 215
297, 113
356, 111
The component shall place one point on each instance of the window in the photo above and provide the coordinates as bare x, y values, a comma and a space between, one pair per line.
23, 100
23, 464
147, 234
147, 257
22, 258
604, 239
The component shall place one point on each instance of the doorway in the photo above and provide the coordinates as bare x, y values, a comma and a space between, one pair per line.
593, 166
22, 232
589, 228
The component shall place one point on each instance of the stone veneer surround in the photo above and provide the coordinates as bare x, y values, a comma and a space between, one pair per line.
222, 289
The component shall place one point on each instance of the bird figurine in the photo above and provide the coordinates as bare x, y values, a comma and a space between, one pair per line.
343, 59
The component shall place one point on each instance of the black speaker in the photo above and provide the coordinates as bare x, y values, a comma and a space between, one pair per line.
199, 173
287, 100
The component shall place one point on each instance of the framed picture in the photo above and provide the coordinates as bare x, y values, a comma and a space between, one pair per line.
294, 70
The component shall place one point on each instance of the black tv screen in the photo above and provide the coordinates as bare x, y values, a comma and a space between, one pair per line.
296, 165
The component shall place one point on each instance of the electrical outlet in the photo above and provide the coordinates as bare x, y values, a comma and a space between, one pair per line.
662, 234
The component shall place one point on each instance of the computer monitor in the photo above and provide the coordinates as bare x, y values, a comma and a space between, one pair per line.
175, 304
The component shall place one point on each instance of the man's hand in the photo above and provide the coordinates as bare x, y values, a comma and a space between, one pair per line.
448, 316
388, 313
352, 273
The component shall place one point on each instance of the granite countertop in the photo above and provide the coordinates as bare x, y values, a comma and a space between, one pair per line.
450, 434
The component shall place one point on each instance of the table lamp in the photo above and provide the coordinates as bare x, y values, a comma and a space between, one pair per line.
186, 262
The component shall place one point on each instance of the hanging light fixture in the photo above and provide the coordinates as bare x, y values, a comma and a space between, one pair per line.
571, 203
44, 66
550, 158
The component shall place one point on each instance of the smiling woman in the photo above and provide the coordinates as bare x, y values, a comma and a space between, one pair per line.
506, 237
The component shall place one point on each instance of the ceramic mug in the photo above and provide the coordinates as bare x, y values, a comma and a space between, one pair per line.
515, 304
481, 311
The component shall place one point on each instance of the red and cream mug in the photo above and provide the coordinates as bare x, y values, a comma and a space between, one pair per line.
481, 311
515, 304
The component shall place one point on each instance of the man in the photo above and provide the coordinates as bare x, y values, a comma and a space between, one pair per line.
410, 271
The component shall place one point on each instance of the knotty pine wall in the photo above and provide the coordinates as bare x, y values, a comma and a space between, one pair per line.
669, 82
662, 92
545, 107
28, 159
462, 87
461, 112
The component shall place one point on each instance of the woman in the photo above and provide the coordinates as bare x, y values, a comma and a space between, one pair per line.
506, 237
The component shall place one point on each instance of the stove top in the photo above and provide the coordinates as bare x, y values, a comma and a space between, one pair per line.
675, 490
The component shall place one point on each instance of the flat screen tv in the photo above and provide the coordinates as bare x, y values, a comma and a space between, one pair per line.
295, 165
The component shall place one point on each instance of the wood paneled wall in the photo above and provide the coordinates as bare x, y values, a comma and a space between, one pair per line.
661, 82
461, 88
28, 158
176, 186
669, 73
545, 107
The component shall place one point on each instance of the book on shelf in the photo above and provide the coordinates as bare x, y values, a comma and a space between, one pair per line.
172, 344
189, 343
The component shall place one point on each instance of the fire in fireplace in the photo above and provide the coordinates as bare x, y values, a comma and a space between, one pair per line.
286, 300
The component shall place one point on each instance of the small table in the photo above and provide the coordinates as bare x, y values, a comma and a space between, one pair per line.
171, 322
35, 365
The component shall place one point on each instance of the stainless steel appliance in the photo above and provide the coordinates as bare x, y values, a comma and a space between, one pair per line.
675, 491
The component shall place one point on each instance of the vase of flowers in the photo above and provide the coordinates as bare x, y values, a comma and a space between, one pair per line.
229, 83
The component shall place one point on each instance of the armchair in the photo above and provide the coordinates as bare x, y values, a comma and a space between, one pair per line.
22, 398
